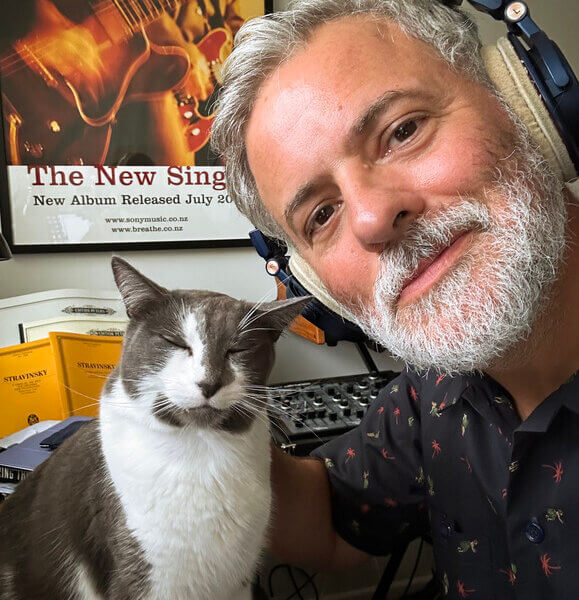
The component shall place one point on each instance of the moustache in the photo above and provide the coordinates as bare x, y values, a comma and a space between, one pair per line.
425, 239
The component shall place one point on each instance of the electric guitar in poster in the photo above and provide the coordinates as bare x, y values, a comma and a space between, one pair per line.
54, 116
198, 116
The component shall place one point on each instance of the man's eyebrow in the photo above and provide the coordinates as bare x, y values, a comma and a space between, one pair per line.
299, 198
381, 105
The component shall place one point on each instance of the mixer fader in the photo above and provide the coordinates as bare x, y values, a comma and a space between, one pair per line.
308, 413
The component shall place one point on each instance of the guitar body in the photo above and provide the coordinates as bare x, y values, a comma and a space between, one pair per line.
215, 46
42, 127
57, 118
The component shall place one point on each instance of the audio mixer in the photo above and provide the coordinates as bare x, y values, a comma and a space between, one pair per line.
309, 413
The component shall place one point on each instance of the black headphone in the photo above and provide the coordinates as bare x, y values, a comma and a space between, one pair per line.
557, 85
546, 65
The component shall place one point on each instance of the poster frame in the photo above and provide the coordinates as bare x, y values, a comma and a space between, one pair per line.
6, 214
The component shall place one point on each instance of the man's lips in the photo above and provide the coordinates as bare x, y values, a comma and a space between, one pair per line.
431, 269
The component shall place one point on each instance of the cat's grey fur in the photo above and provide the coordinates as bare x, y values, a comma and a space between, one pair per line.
64, 532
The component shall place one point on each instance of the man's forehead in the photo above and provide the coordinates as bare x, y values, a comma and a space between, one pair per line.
326, 72
325, 90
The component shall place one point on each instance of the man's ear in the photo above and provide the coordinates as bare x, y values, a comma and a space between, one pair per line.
280, 313
137, 291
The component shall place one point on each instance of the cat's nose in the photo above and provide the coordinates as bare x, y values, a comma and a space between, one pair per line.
208, 388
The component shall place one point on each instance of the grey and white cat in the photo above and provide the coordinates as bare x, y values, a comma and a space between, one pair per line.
167, 495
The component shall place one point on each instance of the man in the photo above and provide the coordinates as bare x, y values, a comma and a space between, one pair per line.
367, 135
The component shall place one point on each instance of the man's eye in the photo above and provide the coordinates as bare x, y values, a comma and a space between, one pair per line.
321, 217
400, 135
405, 130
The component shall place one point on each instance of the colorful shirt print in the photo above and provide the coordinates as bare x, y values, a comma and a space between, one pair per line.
499, 497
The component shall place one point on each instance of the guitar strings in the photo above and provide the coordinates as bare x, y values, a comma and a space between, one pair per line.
105, 6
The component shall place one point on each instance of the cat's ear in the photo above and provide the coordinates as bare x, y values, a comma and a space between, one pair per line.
137, 291
280, 313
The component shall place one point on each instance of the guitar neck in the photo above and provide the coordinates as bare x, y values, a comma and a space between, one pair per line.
136, 14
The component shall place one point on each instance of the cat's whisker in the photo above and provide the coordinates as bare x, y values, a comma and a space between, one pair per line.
298, 387
273, 424
242, 323
259, 401
256, 317
257, 329
248, 411
289, 415
95, 403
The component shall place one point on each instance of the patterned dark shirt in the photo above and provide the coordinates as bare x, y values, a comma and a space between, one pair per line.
502, 494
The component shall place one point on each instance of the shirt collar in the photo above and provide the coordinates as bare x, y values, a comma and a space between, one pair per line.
475, 388
482, 392
566, 395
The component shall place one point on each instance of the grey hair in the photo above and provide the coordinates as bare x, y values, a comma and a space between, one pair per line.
263, 44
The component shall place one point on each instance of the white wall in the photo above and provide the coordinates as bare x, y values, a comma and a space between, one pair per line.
240, 271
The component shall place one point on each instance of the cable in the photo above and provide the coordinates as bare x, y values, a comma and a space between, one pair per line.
270, 577
308, 581
297, 588
411, 579
295, 584
366, 357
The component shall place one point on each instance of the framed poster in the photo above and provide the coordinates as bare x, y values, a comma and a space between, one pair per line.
106, 118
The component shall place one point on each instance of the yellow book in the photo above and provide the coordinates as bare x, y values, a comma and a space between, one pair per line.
83, 363
28, 386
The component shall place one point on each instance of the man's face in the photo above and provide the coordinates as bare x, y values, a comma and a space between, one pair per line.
364, 146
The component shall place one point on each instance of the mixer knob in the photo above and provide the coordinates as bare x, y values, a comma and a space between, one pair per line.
318, 402
363, 401
373, 377
344, 402
362, 385
356, 395
337, 397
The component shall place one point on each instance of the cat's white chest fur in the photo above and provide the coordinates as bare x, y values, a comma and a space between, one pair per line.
197, 500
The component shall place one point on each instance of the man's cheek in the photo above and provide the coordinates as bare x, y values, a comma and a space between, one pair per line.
451, 171
349, 280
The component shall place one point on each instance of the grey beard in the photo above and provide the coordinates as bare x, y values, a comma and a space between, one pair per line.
489, 300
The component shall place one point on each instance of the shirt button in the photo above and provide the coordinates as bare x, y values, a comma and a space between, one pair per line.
534, 532
445, 530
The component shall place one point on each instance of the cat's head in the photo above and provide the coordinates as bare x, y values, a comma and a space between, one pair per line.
197, 357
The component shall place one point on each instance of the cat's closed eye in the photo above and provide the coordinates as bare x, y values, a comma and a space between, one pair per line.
236, 350
179, 343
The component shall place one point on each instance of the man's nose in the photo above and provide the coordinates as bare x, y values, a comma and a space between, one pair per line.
379, 211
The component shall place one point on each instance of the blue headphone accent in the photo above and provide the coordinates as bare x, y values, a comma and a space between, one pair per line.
556, 83
335, 328
547, 66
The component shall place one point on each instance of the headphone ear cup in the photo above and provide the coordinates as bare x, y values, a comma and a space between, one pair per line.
512, 80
